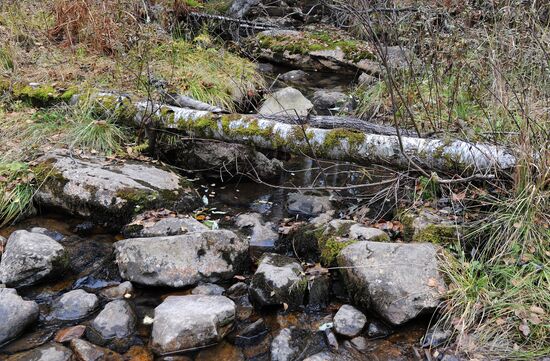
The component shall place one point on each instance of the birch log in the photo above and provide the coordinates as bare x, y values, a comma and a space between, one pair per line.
333, 144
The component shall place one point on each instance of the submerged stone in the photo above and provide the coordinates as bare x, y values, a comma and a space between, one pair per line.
50, 352
74, 305
185, 260
113, 326
296, 344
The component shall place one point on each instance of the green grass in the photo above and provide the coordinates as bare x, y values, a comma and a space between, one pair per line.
16, 191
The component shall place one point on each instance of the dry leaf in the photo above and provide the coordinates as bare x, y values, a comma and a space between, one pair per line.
524, 328
536, 309
432, 282
285, 306
534, 319
457, 197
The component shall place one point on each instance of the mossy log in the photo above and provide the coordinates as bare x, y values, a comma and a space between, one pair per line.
334, 144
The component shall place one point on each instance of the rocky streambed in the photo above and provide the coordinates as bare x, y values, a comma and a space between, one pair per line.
108, 272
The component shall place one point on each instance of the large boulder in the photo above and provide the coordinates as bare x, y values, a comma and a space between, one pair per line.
74, 305
184, 260
397, 281
278, 280
113, 326
186, 322
109, 191
29, 257
16, 314
49, 352
286, 102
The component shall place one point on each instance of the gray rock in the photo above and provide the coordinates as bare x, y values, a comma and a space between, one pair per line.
74, 305
429, 226
123, 290
208, 289
186, 322
50, 352
318, 291
29, 257
169, 226
237, 290
115, 324
364, 233
179, 261
286, 102
251, 333
397, 281
366, 79
293, 76
56, 236
360, 343
278, 280
262, 234
308, 205
16, 314
435, 337
86, 351
349, 321
322, 219
296, 344
378, 329
239, 8
111, 192
331, 339
325, 99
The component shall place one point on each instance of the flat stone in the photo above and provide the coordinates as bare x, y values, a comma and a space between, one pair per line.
74, 305
184, 260
86, 351
169, 226
277, 281
261, 233
108, 191
308, 205
29, 257
123, 290
187, 322
48, 352
397, 281
210, 289
16, 314
349, 321
69, 333
286, 102
363, 233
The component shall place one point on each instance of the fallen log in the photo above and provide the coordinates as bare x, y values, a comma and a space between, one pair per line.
340, 144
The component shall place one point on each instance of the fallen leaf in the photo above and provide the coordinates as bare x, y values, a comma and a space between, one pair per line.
534, 319
285, 306
524, 328
537, 310
432, 282
457, 197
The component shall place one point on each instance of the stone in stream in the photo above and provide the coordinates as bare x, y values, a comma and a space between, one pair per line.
187, 322
69, 333
123, 290
29, 257
293, 76
113, 326
429, 226
278, 280
261, 233
147, 225
15, 314
324, 100
109, 191
210, 289
74, 305
86, 351
286, 102
179, 261
349, 321
296, 344
378, 329
308, 205
397, 281
49, 352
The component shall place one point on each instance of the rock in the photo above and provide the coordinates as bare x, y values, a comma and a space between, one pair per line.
367, 79
113, 326
318, 291
28, 341
123, 290
330, 339
180, 261
349, 321
74, 305
360, 343
147, 225
429, 226
296, 344
56, 236
324, 100
224, 158
364, 233
435, 337
322, 219
237, 290
16, 314
277, 281
86, 351
377, 329
49, 352
107, 191
308, 205
85, 228
29, 257
252, 333
262, 234
293, 76
69, 333
209, 289
239, 8
286, 102
397, 281
185, 322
